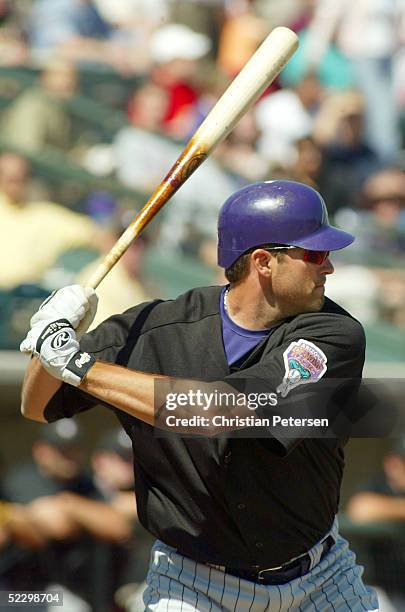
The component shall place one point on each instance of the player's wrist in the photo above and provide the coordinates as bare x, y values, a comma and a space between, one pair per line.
77, 368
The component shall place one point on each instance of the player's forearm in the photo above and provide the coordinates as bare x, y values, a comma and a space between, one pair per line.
38, 388
137, 394
127, 390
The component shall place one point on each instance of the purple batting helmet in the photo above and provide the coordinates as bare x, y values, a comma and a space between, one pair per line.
275, 212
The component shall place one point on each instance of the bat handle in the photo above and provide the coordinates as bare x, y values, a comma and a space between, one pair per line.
97, 276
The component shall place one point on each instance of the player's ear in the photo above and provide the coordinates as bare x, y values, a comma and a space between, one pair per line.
262, 261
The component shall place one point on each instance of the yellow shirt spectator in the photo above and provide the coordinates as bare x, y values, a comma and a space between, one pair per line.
33, 235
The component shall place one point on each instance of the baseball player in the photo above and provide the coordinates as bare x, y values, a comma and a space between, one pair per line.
242, 523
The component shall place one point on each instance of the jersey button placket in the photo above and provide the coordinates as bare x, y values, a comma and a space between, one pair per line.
227, 458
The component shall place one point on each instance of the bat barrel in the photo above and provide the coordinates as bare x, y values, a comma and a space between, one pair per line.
245, 89
259, 72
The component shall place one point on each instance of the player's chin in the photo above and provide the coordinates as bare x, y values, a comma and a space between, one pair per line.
315, 303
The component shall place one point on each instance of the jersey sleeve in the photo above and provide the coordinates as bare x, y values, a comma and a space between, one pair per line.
112, 341
315, 373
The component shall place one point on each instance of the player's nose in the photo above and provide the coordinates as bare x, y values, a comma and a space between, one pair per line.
327, 267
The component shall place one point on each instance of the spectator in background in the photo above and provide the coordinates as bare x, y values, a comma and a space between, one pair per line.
65, 508
113, 471
203, 16
141, 140
140, 13
285, 116
142, 159
132, 23
175, 52
67, 21
278, 12
149, 104
376, 278
303, 15
242, 32
379, 218
339, 129
312, 167
14, 50
384, 498
76, 30
113, 475
383, 197
381, 232
34, 234
239, 153
16, 524
334, 70
39, 118
123, 287
369, 33
57, 465
20, 543
147, 107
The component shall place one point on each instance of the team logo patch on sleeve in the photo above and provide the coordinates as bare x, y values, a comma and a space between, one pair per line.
304, 363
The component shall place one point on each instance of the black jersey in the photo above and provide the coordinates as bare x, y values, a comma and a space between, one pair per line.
228, 498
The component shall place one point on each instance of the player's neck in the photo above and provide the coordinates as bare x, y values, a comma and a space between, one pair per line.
250, 308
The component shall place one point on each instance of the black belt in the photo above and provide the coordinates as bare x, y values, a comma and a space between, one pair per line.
277, 575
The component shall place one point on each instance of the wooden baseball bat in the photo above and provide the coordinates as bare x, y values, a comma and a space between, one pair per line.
262, 68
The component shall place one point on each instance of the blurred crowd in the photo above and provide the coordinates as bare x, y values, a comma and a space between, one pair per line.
97, 99
380, 502
68, 522
112, 91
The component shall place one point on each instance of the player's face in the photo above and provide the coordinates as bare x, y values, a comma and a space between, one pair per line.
297, 285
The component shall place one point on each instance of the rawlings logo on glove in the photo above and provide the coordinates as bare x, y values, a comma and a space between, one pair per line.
60, 354
50, 329
60, 340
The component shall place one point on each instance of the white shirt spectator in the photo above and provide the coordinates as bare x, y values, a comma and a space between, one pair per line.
143, 160
363, 28
282, 119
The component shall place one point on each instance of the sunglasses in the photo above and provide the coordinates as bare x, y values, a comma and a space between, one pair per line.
314, 257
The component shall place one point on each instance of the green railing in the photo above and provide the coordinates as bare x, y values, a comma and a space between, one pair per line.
56, 167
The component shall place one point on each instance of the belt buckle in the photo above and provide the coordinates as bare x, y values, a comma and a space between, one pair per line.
268, 569
285, 567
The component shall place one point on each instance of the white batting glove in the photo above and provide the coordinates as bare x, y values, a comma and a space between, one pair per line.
59, 352
75, 304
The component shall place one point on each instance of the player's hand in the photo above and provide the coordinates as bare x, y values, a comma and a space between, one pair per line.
75, 304
59, 352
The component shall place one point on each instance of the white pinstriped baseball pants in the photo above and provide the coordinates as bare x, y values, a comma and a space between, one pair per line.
179, 584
